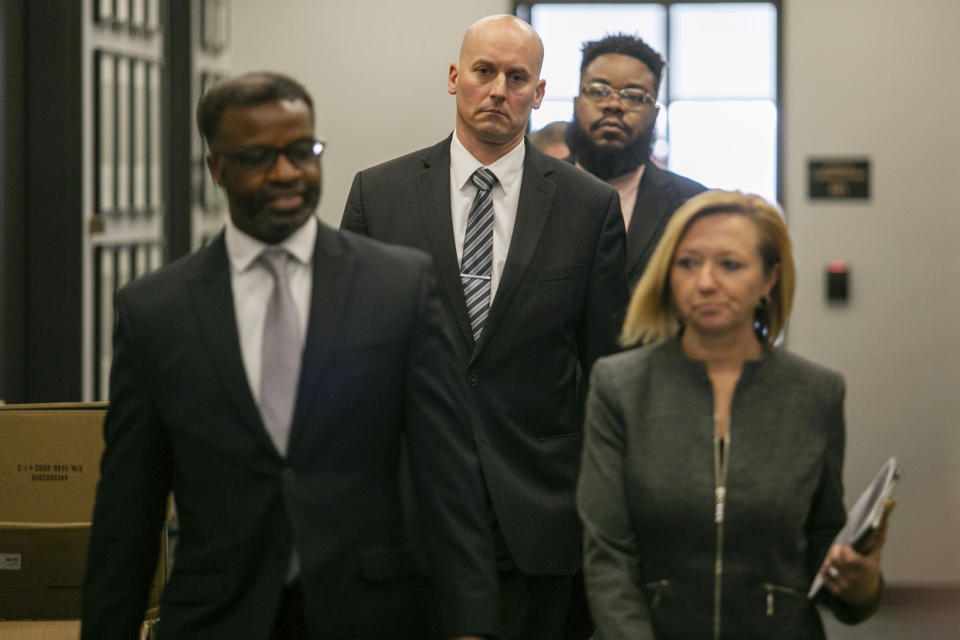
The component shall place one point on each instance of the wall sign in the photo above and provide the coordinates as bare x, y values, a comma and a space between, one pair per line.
839, 179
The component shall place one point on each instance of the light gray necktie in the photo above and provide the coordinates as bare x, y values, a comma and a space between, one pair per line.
280, 352
280, 364
476, 266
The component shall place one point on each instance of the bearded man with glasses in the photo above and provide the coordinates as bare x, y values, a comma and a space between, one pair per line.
612, 137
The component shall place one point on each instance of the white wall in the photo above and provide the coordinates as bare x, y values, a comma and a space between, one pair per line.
877, 78
874, 78
377, 70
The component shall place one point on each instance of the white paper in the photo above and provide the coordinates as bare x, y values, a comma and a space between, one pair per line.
865, 512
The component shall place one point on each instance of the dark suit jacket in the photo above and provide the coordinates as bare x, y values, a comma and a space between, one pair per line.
660, 194
378, 366
558, 307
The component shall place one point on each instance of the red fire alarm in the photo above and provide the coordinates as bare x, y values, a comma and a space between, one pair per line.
838, 281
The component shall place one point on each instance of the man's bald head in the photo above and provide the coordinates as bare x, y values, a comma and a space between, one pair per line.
508, 26
497, 82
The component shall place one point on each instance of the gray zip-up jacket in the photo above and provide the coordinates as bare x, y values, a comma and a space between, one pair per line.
662, 558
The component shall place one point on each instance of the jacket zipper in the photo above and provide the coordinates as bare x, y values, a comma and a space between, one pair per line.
657, 588
772, 589
720, 460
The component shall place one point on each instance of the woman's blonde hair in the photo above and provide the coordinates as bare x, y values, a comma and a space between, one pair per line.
652, 314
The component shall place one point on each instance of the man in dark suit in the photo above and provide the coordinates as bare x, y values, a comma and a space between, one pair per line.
530, 255
268, 380
612, 136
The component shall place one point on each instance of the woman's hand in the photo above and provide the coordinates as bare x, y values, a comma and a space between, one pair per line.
852, 577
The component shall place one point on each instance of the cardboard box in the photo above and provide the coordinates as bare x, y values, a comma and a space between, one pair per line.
41, 569
42, 566
50, 461
56, 630
49, 467
34, 630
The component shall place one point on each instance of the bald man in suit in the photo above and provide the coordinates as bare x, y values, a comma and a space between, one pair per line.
530, 255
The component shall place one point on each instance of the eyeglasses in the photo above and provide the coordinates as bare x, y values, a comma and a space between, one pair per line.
631, 96
301, 154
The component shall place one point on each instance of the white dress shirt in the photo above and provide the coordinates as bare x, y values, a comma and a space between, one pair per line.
505, 194
252, 285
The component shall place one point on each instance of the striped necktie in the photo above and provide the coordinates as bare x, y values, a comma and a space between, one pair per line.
476, 266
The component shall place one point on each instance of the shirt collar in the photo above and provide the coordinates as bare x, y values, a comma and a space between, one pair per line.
628, 181
243, 249
508, 168
621, 182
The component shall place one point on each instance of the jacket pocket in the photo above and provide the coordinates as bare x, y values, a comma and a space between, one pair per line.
786, 614
562, 444
378, 564
187, 588
373, 352
360, 367
786, 597
656, 591
559, 273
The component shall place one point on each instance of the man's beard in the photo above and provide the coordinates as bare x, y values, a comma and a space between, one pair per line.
609, 163
251, 212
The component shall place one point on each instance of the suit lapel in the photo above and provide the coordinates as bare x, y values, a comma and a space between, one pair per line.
653, 196
212, 298
533, 210
433, 191
333, 270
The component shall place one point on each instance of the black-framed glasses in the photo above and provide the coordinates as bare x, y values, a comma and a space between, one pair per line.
301, 154
630, 96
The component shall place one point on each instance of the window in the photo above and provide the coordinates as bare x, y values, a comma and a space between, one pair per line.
719, 115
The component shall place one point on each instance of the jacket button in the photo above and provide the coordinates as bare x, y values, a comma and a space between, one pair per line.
473, 380
288, 476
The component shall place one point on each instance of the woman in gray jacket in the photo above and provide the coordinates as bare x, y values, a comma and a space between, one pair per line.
711, 480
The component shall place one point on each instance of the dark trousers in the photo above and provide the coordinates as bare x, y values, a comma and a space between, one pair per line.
533, 607
290, 623
579, 622
538, 607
